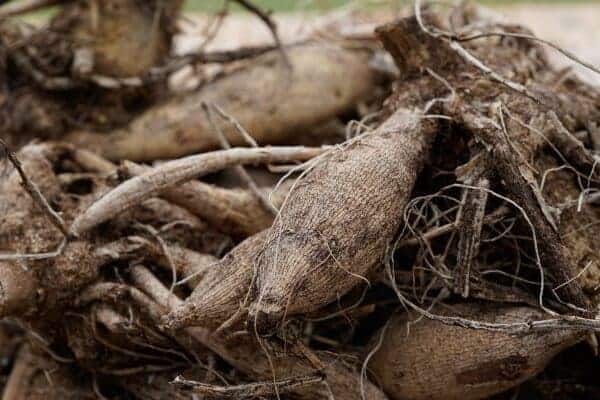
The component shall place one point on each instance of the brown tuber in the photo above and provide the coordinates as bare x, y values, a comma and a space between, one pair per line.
333, 229
471, 191
427, 359
272, 102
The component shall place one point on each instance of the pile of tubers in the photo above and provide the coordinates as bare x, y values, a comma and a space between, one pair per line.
407, 214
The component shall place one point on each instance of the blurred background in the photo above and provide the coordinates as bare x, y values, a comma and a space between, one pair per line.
573, 24
291, 5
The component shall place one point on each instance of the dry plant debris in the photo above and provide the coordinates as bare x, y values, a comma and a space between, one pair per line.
411, 214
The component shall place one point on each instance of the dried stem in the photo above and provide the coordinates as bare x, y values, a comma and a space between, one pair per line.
33, 190
469, 223
248, 5
249, 390
240, 170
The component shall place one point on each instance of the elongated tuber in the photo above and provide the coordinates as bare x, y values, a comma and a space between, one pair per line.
272, 102
332, 230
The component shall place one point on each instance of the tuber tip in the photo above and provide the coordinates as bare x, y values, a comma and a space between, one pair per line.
181, 317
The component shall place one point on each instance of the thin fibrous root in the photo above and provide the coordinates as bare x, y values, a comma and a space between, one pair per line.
554, 255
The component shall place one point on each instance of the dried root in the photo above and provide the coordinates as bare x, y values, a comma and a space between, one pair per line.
232, 211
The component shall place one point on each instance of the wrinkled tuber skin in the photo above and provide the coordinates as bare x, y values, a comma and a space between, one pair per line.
332, 229
329, 232
272, 102
223, 289
431, 360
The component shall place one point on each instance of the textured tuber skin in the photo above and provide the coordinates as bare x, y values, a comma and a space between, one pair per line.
331, 230
438, 361
270, 101
222, 290
337, 222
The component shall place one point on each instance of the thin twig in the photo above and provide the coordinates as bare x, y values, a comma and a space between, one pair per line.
239, 169
249, 390
33, 191
265, 17
243, 132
